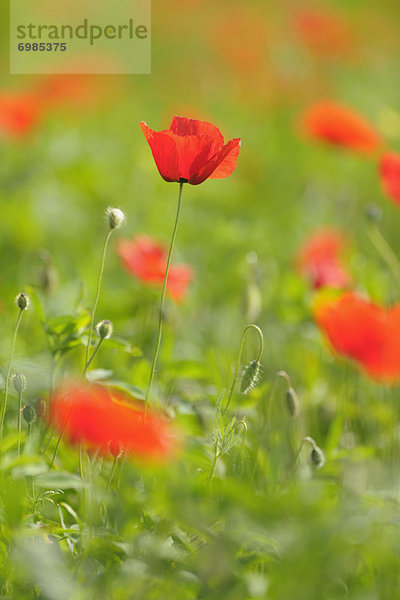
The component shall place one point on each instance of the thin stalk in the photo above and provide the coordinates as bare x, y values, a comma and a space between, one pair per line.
89, 362
385, 250
19, 421
96, 301
239, 358
113, 469
162, 300
3, 412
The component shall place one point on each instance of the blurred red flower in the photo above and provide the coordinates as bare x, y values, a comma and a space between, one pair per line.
20, 112
147, 260
390, 175
191, 151
363, 331
104, 421
319, 260
322, 32
337, 125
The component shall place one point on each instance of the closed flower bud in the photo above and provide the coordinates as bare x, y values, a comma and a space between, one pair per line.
22, 301
250, 377
317, 457
115, 218
19, 382
116, 449
41, 407
292, 402
29, 414
104, 329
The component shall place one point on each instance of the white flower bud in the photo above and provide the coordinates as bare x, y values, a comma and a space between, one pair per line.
115, 217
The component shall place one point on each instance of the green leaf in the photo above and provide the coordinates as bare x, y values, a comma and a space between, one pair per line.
60, 479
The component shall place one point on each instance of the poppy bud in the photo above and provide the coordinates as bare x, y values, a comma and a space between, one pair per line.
250, 377
116, 449
28, 412
104, 329
115, 218
373, 213
19, 382
317, 457
41, 408
292, 402
22, 301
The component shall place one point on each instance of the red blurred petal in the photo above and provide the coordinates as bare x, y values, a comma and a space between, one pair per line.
390, 175
320, 259
98, 418
364, 332
147, 260
340, 126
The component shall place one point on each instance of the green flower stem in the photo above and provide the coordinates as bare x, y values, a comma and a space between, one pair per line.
162, 300
385, 250
239, 358
96, 301
19, 421
3, 412
89, 362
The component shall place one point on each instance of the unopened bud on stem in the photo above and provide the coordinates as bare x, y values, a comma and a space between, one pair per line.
104, 329
115, 217
19, 382
22, 301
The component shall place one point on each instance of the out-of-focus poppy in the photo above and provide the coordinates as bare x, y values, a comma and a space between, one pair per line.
320, 259
322, 32
19, 113
390, 175
147, 260
337, 125
364, 332
191, 151
105, 421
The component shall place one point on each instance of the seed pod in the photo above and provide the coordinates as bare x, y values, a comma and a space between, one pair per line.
115, 217
104, 329
28, 412
19, 382
22, 301
317, 457
292, 402
250, 377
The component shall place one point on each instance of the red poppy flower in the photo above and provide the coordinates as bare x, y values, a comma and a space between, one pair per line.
390, 175
322, 32
364, 332
319, 260
338, 125
147, 260
19, 113
105, 421
191, 151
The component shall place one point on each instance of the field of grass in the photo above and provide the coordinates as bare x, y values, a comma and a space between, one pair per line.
290, 490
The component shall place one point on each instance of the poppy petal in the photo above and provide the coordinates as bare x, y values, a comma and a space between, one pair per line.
185, 126
164, 152
340, 126
390, 175
229, 152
